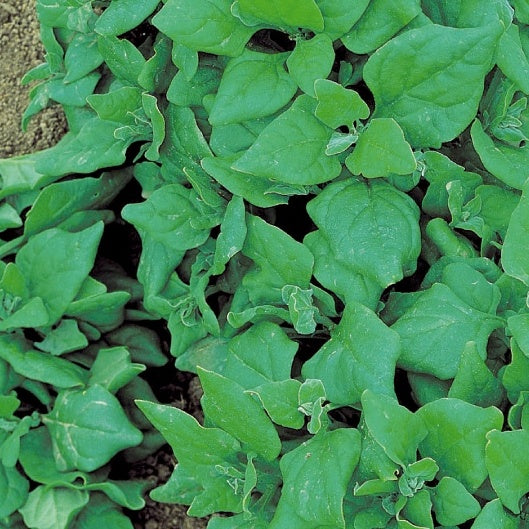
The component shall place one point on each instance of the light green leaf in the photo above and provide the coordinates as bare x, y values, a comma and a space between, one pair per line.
65, 338
88, 427
394, 427
279, 261
506, 162
262, 354
380, 21
370, 227
311, 60
436, 328
315, 478
55, 264
123, 59
508, 468
290, 13
82, 57
205, 25
361, 354
452, 503
254, 85
494, 515
441, 67
296, 142
340, 15
514, 376
123, 15
101, 512
512, 60
227, 405
514, 260
337, 105
380, 150
456, 438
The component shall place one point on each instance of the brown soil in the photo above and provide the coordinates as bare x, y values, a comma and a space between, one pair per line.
20, 50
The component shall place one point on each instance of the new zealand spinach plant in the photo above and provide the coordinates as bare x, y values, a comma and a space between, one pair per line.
332, 202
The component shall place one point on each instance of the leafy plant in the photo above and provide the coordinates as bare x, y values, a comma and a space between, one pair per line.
332, 204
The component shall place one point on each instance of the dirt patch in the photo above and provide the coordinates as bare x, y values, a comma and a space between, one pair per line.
21, 50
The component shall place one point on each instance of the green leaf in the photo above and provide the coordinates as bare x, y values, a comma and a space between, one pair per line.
53, 508
253, 85
456, 438
452, 503
100, 511
55, 263
122, 57
88, 428
227, 405
344, 364
370, 227
311, 60
494, 515
113, 369
506, 162
206, 25
441, 67
290, 13
296, 141
436, 328
273, 363
512, 60
514, 375
65, 338
507, 466
339, 15
337, 105
514, 260
82, 57
394, 427
315, 478
380, 150
14, 490
380, 21
123, 15
279, 260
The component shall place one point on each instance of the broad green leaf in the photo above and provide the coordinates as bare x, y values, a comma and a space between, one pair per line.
55, 263
337, 105
494, 515
279, 260
507, 466
380, 150
57, 202
20, 174
474, 381
311, 60
227, 405
340, 15
380, 21
457, 437
88, 428
157, 72
123, 59
14, 490
82, 57
124, 15
118, 105
370, 227
113, 369
394, 427
506, 162
261, 354
254, 189
468, 13
315, 478
205, 25
85, 151
290, 13
254, 85
361, 354
43, 367
441, 67
514, 375
65, 338
101, 512
436, 328
519, 328
452, 503
416, 512
53, 508
296, 141
514, 260
512, 60
280, 400
521, 10
126, 493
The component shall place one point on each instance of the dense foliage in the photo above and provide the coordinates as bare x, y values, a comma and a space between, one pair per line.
323, 203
